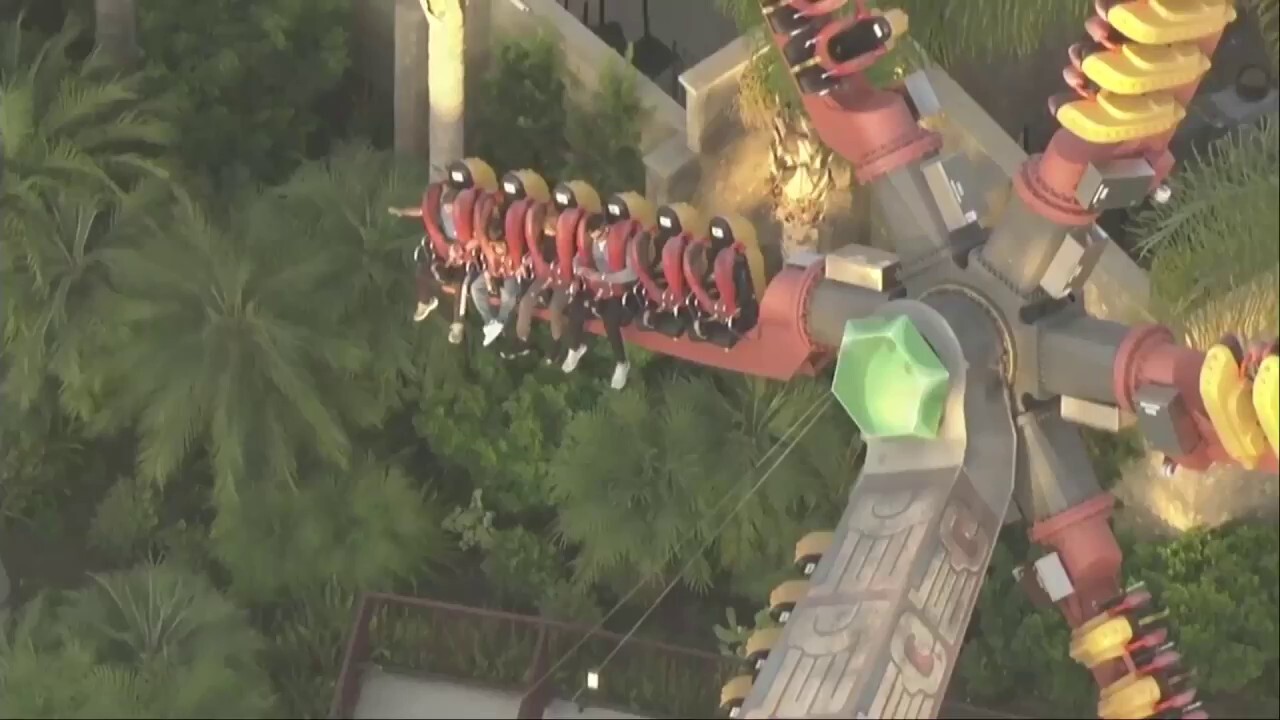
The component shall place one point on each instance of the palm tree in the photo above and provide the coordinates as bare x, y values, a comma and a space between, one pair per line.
70, 122
642, 508
362, 529
153, 641
53, 282
446, 68
77, 137
411, 102
235, 337
115, 31
1216, 264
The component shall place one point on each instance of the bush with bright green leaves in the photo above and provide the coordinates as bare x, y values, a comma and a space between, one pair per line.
518, 115
1222, 589
249, 74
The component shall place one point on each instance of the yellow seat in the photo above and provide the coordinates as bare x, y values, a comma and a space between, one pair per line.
1102, 642
1134, 69
1130, 697
1161, 22
1111, 118
1228, 400
482, 174
734, 693
1266, 400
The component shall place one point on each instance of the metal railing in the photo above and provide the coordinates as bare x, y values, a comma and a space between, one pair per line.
422, 636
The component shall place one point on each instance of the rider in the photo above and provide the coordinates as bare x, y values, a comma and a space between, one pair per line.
497, 275
434, 273
542, 270
603, 266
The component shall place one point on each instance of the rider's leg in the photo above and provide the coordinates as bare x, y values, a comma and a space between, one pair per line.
427, 291
456, 328
574, 342
611, 315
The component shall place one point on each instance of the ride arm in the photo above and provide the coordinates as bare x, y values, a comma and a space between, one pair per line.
1143, 370
1077, 178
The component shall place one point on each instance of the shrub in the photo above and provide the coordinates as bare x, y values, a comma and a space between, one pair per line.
249, 74
519, 116
604, 133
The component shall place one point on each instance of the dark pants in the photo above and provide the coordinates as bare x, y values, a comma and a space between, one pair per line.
430, 282
611, 314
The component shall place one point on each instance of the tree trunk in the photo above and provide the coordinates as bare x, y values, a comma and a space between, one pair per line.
410, 79
446, 81
115, 31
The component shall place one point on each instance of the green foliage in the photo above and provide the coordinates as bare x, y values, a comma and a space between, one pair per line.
521, 119
732, 637
363, 529
306, 640
248, 74
525, 117
76, 138
604, 132
154, 641
1019, 651
494, 422
42, 456
1268, 14
1218, 230
522, 565
234, 338
1222, 588
642, 509
126, 518
1112, 452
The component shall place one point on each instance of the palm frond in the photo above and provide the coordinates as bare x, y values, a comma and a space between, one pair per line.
1218, 230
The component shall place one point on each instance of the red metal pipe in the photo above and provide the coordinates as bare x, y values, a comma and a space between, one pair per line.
1151, 354
1082, 537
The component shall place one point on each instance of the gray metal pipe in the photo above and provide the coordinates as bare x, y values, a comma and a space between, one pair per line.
832, 303
1078, 356
1022, 244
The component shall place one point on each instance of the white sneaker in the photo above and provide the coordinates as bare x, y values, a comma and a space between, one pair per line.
620, 375
491, 332
571, 360
455, 333
424, 309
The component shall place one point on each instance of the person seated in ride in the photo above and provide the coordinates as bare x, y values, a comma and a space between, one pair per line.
546, 284
657, 257
606, 277
498, 275
727, 294
433, 274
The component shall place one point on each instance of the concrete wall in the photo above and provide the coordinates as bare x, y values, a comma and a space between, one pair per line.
711, 89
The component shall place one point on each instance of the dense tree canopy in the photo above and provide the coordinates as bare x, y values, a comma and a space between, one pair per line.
153, 641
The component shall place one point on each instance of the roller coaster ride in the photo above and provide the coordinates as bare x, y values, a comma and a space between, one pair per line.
965, 356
